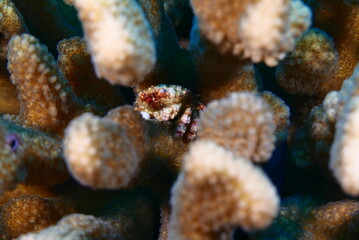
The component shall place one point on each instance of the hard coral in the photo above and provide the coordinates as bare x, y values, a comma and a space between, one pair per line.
212, 66
339, 21
343, 156
234, 26
242, 123
74, 62
307, 69
120, 39
77, 226
99, 153
11, 24
30, 214
51, 103
214, 193
31, 156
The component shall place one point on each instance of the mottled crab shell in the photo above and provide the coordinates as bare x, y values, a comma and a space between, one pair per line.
162, 102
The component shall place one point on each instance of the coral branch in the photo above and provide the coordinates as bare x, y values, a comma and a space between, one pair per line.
120, 39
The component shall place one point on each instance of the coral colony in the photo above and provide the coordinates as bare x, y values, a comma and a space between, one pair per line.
179, 119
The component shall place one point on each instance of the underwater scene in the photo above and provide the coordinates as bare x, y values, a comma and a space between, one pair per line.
179, 119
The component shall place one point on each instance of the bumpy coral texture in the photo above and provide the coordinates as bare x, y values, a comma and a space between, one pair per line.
344, 153
30, 214
307, 69
335, 220
11, 24
214, 193
280, 111
340, 21
77, 226
242, 123
136, 128
119, 38
99, 153
31, 156
213, 66
74, 61
305, 217
239, 27
51, 103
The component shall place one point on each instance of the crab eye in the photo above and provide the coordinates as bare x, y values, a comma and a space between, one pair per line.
13, 141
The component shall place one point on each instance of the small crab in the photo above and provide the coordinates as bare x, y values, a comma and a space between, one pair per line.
171, 103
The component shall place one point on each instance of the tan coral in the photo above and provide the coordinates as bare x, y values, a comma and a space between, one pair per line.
31, 156
74, 61
335, 101
31, 214
11, 24
136, 128
281, 114
242, 123
77, 226
340, 21
216, 192
307, 70
260, 30
219, 73
98, 153
120, 39
344, 153
47, 101
334, 220
9, 102
269, 29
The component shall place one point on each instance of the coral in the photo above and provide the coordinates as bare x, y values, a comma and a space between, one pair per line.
165, 217
213, 66
173, 65
242, 123
289, 222
51, 103
235, 27
9, 102
281, 114
208, 106
11, 24
303, 217
136, 128
129, 215
306, 70
214, 193
123, 51
77, 226
343, 155
26, 190
30, 214
74, 61
339, 21
31, 156
321, 128
332, 221
99, 153
45, 21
